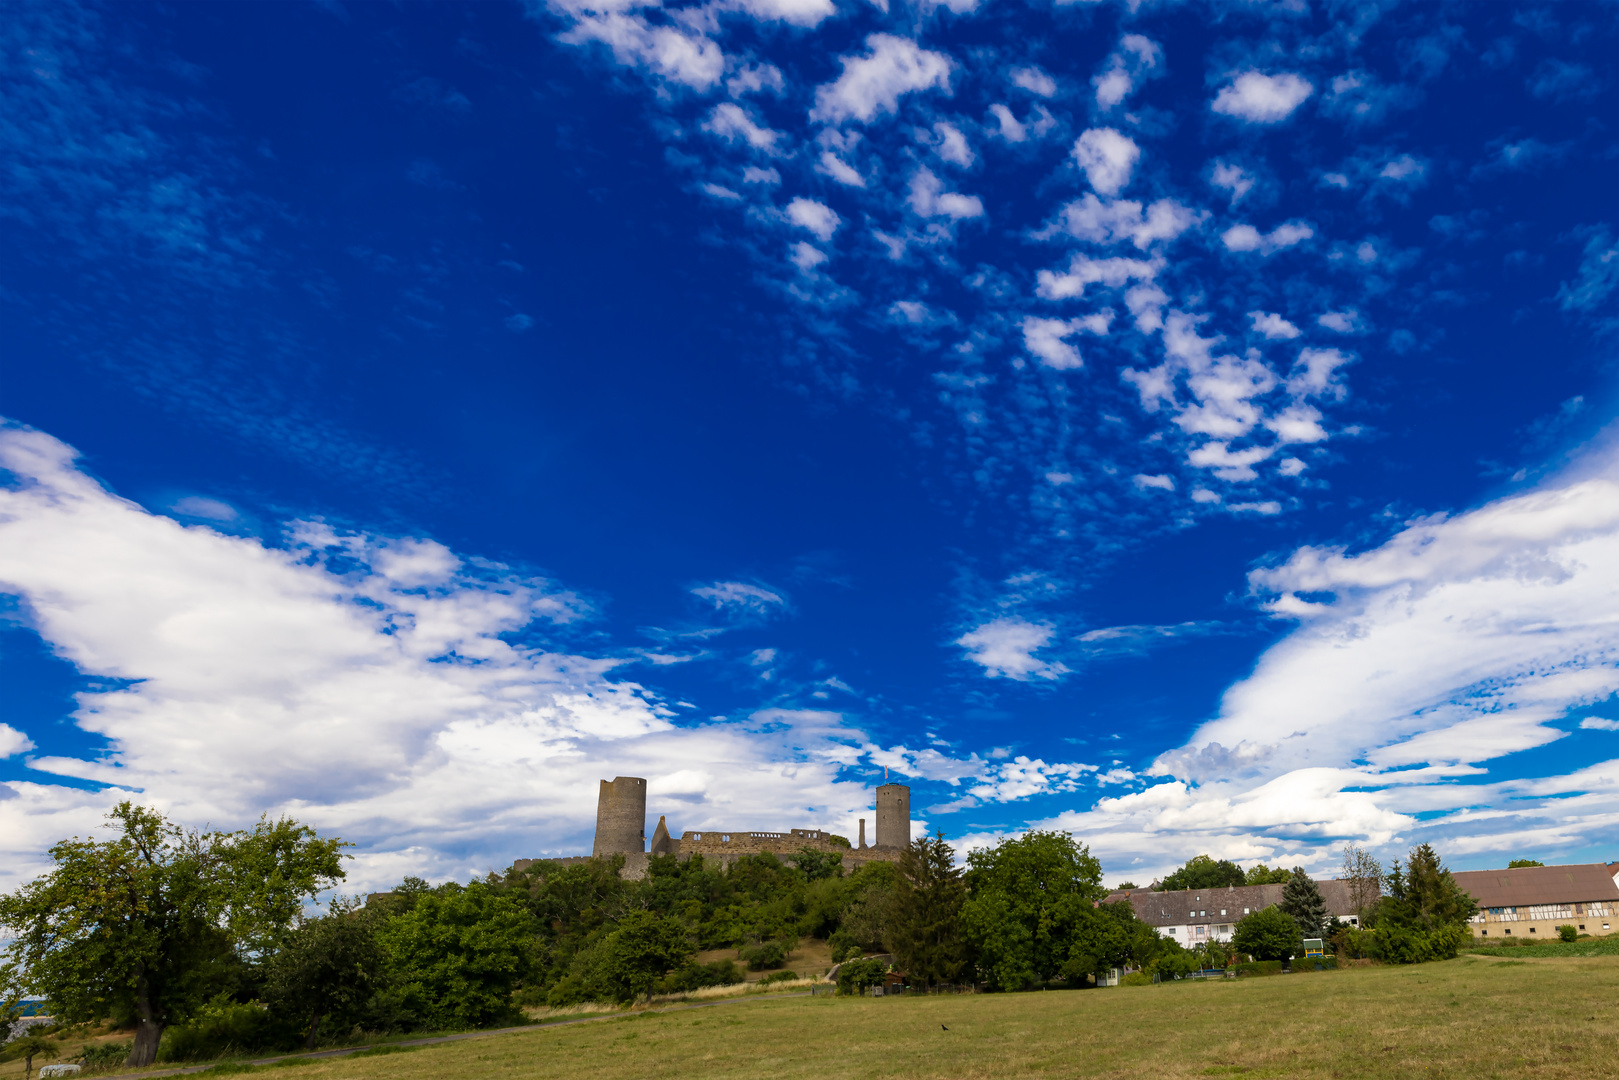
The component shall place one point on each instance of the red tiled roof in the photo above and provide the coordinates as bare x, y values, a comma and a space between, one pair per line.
1526, 886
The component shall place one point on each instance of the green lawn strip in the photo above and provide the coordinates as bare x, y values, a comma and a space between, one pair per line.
1470, 1018
1603, 946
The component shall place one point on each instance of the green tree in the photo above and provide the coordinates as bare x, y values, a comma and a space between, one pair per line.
1302, 899
1424, 916
146, 925
29, 1047
1264, 875
1027, 899
458, 953
925, 934
1516, 863
1203, 872
1268, 934
327, 969
630, 959
1125, 886
816, 865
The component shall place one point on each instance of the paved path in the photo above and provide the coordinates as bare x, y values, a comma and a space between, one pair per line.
471, 1034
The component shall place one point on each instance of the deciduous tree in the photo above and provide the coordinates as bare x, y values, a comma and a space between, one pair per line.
1027, 899
1268, 934
141, 925
326, 969
1203, 872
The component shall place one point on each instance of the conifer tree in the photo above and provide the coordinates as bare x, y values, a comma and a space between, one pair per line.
926, 935
1303, 901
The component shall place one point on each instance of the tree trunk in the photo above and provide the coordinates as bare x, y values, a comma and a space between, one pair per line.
314, 1026
148, 1028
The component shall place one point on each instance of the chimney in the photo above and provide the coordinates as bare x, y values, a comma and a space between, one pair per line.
862, 832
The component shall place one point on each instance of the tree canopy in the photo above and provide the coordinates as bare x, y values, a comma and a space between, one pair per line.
1516, 863
151, 923
1203, 872
1268, 934
1264, 875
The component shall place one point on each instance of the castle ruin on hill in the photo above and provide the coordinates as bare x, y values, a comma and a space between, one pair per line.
621, 830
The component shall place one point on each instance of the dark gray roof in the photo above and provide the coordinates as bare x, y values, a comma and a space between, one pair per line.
1525, 886
1172, 908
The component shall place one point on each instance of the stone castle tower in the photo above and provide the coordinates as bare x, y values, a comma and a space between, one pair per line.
893, 816
621, 816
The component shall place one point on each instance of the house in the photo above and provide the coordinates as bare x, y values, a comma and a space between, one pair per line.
1533, 901
1193, 916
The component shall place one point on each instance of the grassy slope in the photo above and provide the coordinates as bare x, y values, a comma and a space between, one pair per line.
1602, 946
1473, 1018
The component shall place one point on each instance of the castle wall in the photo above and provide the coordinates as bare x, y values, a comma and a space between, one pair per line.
621, 816
894, 816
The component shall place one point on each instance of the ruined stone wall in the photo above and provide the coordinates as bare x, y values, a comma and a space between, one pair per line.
621, 816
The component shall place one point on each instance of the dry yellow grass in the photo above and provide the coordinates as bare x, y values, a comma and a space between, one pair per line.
1468, 1018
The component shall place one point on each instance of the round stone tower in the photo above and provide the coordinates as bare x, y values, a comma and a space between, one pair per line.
893, 816
621, 816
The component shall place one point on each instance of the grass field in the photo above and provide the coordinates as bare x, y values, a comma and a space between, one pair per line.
1473, 1017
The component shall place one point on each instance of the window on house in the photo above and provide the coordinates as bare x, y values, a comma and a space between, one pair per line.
1484, 933
1582, 926
1245, 911
1222, 911
1508, 931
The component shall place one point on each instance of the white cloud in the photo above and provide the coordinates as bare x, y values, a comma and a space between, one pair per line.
1285, 235
1118, 220
13, 742
839, 170
1034, 81
806, 256
1137, 58
1263, 99
929, 199
666, 51
952, 145
730, 122
720, 191
1290, 466
1045, 339
753, 78
1164, 483
874, 83
1010, 129
1084, 271
1273, 326
1107, 157
199, 506
1005, 648
796, 12
740, 596
1233, 178
1343, 322
816, 217
753, 174
1233, 466
1597, 723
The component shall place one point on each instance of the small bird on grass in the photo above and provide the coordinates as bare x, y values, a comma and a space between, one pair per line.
945, 1028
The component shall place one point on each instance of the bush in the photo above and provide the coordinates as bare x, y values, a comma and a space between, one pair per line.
1568, 933
857, 975
1136, 978
764, 956
222, 1028
697, 976
778, 976
96, 1057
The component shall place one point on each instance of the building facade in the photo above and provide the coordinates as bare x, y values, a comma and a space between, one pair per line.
1195, 916
1533, 901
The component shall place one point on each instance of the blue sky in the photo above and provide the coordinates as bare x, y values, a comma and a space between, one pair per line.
1187, 425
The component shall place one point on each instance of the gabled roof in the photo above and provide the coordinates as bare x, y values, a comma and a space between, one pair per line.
1525, 886
1171, 908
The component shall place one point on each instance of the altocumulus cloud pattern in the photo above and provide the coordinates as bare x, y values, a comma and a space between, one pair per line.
1189, 426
